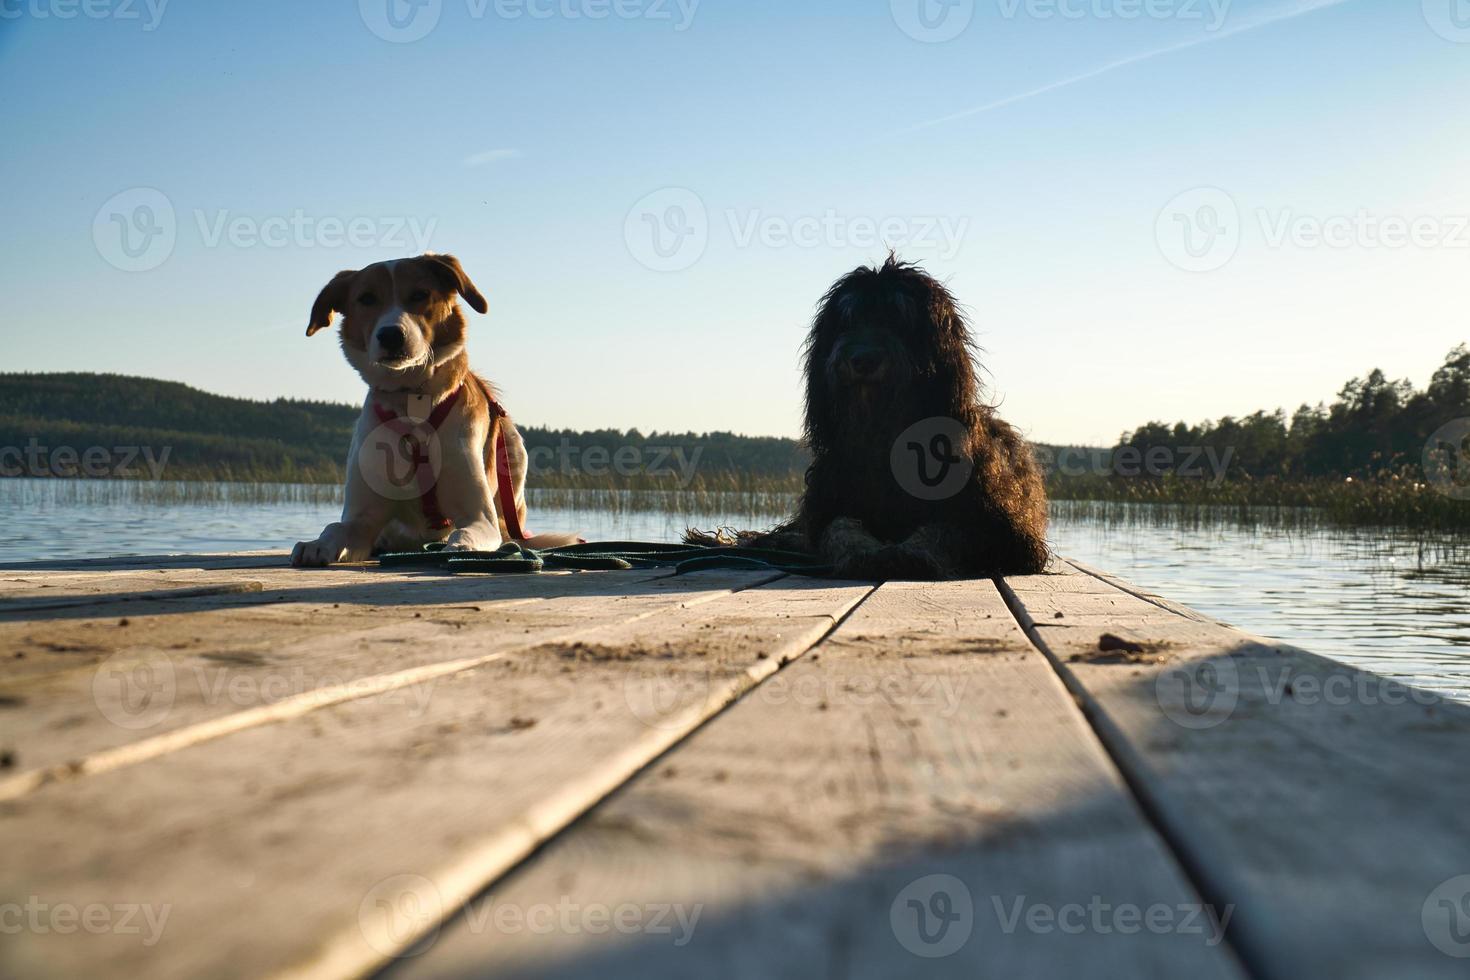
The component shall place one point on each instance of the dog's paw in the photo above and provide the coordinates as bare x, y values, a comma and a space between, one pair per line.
846, 536
893, 562
316, 554
472, 539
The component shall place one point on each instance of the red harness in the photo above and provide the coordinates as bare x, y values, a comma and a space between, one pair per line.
428, 479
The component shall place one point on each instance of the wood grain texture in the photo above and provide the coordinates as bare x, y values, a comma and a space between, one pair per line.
279, 848
95, 685
1328, 805
925, 737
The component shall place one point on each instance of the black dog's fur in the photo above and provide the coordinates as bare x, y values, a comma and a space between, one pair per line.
889, 349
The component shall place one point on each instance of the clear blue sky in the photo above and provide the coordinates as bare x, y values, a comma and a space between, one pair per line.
1035, 160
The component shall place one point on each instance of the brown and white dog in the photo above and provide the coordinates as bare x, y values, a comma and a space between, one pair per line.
434, 457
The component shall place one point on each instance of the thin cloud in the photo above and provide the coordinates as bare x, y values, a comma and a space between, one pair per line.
1299, 9
490, 156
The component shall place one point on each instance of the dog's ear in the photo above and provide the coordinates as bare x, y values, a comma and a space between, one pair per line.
454, 276
332, 299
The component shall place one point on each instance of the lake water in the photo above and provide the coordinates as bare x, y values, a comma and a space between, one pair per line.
1394, 603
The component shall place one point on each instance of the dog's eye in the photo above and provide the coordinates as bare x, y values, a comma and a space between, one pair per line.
368, 299
419, 296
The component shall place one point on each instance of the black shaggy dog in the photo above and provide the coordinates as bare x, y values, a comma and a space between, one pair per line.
912, 476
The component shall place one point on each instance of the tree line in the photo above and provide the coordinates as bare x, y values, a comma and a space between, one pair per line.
1376, 428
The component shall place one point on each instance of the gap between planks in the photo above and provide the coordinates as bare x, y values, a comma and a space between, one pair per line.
344, 955
387, 791
295, 706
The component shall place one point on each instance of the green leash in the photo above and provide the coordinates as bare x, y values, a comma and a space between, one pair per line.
513, 558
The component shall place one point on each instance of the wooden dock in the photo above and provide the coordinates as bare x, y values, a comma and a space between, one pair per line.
221, 767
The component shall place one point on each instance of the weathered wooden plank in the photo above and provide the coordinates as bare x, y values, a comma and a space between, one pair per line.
267, 845
230, 560
30, 604
1327, 805
150, 698
925, 737
297, 607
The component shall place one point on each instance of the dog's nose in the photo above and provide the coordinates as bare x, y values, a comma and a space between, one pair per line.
867, 364
391, 339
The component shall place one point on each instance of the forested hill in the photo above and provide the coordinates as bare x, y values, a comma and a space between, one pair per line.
1376, 429
210, 436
